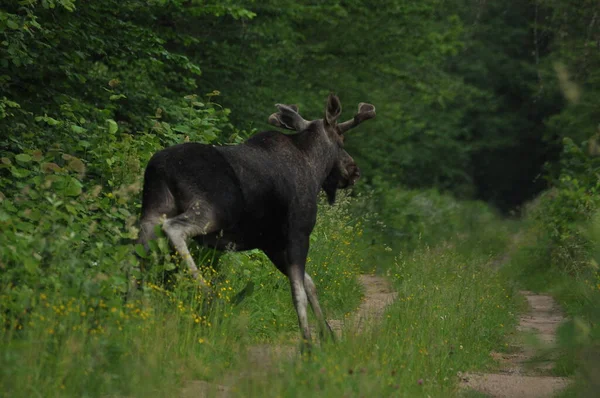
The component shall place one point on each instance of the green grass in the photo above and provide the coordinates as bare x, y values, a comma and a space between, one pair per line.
451, 312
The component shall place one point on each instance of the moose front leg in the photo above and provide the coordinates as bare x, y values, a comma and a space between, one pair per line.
311, 290
279, 258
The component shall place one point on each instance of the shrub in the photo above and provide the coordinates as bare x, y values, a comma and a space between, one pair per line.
556, 217
425, 217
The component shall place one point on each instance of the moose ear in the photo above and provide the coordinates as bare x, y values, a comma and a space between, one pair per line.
333, 110
274, 120
288, 118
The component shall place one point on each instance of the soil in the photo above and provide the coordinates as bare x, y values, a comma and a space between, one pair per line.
521, 375
378, 295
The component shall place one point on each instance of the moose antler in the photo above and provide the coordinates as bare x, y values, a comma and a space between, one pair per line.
288, 118
365, 112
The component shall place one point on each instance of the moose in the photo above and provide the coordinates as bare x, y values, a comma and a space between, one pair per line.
261, 194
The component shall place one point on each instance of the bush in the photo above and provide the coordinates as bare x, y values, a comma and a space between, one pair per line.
558, 240
426, 217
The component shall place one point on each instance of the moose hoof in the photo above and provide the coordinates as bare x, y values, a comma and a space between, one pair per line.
201, 282
204, 286
306, 348
327, 334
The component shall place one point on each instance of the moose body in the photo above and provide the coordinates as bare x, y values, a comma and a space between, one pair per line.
261, 194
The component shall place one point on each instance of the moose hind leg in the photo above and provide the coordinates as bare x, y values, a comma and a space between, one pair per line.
185, 226
296, 275
300, 302
146, 233
158, 204
311, 291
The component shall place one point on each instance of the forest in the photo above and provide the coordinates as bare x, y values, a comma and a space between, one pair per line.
480, 178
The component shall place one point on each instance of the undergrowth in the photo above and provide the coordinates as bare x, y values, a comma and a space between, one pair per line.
69, 331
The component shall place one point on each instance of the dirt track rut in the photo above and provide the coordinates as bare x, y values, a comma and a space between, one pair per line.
519, 376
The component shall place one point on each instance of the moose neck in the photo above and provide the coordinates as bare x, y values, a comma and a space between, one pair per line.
319, 150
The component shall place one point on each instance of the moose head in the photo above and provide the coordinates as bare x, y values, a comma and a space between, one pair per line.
344, 171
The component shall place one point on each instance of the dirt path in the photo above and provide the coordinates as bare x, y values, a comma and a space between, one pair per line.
519, 375
378, 295
264, 359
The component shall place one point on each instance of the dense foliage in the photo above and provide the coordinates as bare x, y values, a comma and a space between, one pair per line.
469, 94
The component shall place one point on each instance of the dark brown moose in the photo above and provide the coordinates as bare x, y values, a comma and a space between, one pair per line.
259, 194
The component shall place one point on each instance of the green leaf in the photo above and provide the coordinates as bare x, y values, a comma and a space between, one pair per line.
9, 206
19, 172
72, 187
78, 129
153, 245
116, 97
158, 231
30, 264
12, 24
122, 287
10, 104
139, 249
170, 266
182, 128
113, 127
164, 247
23, 158
71, 209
